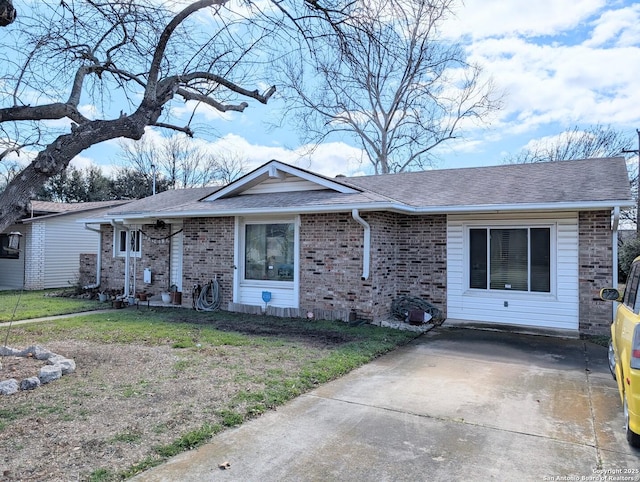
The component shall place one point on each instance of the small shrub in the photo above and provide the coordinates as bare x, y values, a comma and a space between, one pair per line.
629, 251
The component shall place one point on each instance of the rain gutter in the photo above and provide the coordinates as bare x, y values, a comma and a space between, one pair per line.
366, 255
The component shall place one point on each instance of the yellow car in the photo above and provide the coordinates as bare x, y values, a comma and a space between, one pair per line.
624, 350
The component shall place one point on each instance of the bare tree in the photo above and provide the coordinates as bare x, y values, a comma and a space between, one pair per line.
186, 164
143, 54
391, 82
576, 143
229, 166
584, 143
181, 162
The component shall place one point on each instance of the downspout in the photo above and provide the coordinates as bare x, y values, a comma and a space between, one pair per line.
366, 256
126, 257
99, 258
615, 220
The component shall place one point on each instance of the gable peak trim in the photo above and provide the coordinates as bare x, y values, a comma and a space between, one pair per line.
276, 170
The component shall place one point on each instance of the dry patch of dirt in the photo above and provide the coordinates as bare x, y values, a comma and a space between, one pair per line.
123, 400
19, 367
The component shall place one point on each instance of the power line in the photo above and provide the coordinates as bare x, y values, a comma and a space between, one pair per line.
636, 151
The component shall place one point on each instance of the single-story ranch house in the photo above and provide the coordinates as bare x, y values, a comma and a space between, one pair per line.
527, 244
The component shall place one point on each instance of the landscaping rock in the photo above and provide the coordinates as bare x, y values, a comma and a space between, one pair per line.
58, 366
37, 352
66, 365
8, 351
9, 387
30, 383
50, 373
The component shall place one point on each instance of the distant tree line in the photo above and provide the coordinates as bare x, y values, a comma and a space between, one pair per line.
178, 162
90, 184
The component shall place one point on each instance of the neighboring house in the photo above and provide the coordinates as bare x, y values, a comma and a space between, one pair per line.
526, 245
50, 246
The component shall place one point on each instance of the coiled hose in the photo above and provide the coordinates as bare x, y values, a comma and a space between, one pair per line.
209, 297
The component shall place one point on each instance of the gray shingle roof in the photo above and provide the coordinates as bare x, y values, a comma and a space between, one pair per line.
573, 182
49, 207
166, 200
545, 182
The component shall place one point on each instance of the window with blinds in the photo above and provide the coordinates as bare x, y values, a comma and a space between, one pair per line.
516, 259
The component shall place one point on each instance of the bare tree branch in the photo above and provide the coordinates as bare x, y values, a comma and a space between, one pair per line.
74, 61
384, 76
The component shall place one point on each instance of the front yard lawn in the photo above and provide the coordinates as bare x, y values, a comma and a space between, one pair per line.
22, 305
151, 383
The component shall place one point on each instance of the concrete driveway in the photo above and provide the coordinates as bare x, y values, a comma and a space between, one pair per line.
455, 404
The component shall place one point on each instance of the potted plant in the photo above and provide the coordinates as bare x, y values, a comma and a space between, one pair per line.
166, 297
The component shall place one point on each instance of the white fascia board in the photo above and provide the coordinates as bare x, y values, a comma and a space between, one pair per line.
503, 208
273, 170
364, 207
100, 220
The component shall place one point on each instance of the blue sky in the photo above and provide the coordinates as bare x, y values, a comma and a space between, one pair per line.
560, 63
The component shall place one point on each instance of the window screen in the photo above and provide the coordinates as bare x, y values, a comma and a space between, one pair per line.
517, 259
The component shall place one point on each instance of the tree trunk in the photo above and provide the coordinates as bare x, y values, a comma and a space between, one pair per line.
57, 155
7, 13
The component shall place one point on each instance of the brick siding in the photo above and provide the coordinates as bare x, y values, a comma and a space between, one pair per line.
88, 266
208, 253
34, 264
331, 248
408, 257
595, 271
155, 247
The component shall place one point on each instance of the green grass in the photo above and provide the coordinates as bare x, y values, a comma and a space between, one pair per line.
34, 304
127, 437
295, 355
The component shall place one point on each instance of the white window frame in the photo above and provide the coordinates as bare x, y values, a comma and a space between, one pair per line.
553, 274
240, 250
130, 231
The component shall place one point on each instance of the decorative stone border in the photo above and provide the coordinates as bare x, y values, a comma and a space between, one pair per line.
57, 366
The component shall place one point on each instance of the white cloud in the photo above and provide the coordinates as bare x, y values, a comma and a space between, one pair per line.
328, 159
487, 18
621, 27
561, 83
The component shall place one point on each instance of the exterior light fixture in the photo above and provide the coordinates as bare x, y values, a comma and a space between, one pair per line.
14, 241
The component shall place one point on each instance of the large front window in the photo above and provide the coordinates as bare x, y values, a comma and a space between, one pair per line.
515, 259
269, 251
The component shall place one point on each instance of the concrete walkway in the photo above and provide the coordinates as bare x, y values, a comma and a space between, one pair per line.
455, 404
54, 317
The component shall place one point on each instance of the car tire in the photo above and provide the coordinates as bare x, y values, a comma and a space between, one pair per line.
632, 437
611, 357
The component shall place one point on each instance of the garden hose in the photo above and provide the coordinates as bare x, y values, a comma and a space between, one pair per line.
209, 297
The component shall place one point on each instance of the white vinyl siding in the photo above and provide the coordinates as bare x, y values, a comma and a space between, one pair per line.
284, 294
557, 309
176, 256
11, 269
289, 184
65, 240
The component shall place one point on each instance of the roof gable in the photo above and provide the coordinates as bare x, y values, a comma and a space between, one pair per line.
277, 177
